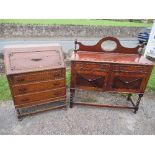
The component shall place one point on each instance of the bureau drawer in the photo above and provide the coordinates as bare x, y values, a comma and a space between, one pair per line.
131, 68
37, 76
37, 86
28, 98
88, 66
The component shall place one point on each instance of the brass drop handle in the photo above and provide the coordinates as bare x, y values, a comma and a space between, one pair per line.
56, 84
57, 93
25, 99
57, 75
22, 90
20, 79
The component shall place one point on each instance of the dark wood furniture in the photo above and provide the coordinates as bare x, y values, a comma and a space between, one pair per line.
121, 70
36, 75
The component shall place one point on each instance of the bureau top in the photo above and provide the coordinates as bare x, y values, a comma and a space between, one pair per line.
30, 58
110, 58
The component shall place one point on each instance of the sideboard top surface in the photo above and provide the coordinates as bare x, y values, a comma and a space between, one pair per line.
30, 58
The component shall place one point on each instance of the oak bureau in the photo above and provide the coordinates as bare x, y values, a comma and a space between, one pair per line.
121, 70
36, 75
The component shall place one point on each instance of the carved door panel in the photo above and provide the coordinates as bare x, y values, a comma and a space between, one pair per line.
91, 81
125, 82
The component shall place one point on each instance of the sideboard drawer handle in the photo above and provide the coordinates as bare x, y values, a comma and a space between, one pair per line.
20, 79
56, 75
56, 84
57, 93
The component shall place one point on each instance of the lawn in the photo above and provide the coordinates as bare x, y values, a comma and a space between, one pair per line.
151, 84
76, 22
5, 92
4, 88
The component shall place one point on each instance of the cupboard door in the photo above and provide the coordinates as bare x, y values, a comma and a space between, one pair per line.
91, 81
125, 82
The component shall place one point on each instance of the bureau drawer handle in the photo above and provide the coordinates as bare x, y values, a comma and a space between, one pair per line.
20, 80
56, 84
36, 59
22, 90
57, 93
25, 99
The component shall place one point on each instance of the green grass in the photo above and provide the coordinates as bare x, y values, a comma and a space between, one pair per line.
151, 83
75, 22
68, 78
4, 89
6, 95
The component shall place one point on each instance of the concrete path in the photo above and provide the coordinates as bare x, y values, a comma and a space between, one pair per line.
83, 120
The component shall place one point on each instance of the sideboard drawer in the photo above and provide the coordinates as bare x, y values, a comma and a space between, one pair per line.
88, 66
131, 68
38, 86
28, 98
37, 76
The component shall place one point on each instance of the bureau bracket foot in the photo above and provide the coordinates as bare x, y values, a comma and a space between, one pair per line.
65, 108
19, 116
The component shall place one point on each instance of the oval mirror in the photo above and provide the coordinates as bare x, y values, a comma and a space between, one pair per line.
109, 45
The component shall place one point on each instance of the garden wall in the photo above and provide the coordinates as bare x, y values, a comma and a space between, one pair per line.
17, 30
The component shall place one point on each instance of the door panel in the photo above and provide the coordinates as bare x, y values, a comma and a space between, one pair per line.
125, 82
91, 81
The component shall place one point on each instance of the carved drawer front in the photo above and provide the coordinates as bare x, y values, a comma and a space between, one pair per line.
88, 66
37, 76
91, 81
37, 86
41, 96
131, 68
127, 83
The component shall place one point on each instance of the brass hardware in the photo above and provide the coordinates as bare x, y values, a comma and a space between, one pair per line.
20, 79
25, 100
22, 90
36, 59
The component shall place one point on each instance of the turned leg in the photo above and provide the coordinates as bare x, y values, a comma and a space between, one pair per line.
129, 97
72, 92
20, 118
138, 102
